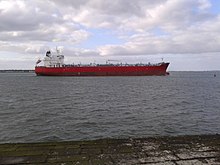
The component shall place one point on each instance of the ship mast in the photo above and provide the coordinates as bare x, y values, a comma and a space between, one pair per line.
58, 51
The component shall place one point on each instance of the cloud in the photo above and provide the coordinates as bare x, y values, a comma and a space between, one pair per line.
197, 38
32, 22
146, 27
19, 15
140, 15
55, 33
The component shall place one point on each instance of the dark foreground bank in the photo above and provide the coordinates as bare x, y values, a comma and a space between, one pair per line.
203, 149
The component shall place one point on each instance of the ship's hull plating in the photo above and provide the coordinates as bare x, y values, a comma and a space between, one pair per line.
158, 70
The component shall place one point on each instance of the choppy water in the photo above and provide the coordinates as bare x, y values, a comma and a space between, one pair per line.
74, 108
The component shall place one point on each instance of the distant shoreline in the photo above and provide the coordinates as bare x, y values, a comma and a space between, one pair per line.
16, 71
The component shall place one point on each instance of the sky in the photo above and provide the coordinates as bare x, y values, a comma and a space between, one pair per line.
185, 33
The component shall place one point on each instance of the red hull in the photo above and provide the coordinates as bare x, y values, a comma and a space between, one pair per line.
158, 70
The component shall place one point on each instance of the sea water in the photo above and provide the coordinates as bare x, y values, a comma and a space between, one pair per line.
34, 108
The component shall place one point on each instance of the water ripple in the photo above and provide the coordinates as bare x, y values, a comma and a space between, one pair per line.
75, 108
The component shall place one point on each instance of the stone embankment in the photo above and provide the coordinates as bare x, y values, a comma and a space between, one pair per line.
180, 150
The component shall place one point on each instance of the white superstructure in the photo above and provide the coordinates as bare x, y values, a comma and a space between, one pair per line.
52, 60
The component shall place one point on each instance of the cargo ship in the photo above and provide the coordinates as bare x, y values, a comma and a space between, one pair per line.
53, 65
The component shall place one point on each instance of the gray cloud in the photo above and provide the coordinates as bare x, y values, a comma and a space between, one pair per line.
147, 27
27, 15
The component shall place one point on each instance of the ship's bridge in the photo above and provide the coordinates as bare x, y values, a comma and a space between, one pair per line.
53, 60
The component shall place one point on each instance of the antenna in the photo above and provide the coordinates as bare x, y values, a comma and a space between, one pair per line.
58, 51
